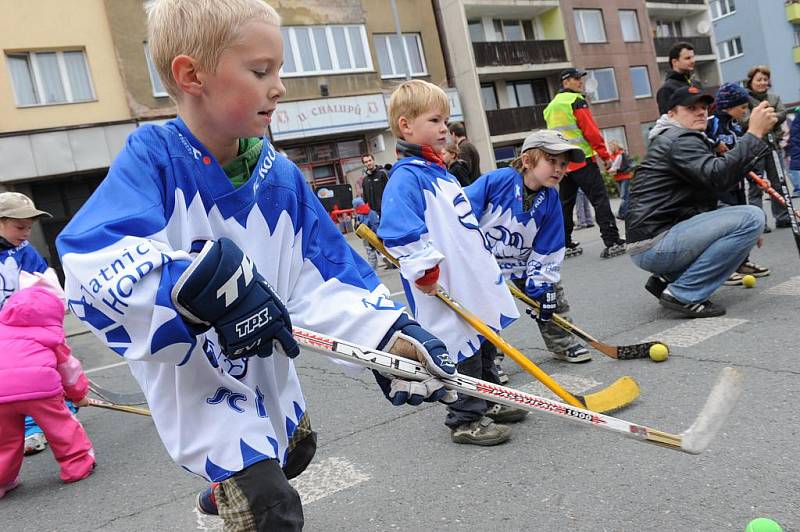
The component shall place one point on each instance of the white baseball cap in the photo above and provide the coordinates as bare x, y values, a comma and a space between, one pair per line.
16, 205
552, 141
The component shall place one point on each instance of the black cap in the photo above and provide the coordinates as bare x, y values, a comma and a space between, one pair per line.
572, 73
689, 95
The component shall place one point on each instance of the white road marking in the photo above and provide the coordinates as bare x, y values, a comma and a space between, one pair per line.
572, 383
395, 294
693, 332
320, 480
786, 288
101, 368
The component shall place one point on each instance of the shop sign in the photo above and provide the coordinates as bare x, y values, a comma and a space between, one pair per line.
326, 116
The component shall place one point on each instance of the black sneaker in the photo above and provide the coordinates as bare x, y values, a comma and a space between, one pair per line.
613, 250
506, 414
656, 284
575, 353
483, 431
706, 309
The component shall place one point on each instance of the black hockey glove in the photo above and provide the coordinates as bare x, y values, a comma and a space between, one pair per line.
222, 289
548, 302
408, 339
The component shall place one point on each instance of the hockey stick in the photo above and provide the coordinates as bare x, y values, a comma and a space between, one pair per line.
622, 352
619, 394
787, 198
117, 398
764, 185
695, 440
120, 408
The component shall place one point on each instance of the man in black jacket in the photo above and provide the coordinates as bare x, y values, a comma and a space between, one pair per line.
672, 228
681, 61
375, 179
466, 150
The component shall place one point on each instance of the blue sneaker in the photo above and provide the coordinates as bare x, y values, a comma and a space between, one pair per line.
207, 501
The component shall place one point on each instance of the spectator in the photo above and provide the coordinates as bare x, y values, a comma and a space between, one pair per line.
673, 230
583, 210
681, 62
368, 217
455, 165
375, 179
466, 149
793, 149
758, 83
622, 170
569, 113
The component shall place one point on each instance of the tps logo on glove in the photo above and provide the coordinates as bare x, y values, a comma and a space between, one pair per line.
252, 323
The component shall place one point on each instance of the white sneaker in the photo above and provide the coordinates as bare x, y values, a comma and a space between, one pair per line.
35, 443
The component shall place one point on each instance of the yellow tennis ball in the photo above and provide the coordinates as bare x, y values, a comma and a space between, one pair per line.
659, 352
748, 281
763, 524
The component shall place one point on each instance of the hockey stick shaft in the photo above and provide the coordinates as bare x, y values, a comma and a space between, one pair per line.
776, 159
119, 408
764, 185
694, 441
624, 391
129, 399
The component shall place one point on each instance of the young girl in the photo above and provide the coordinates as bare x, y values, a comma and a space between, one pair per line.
519, 211
36, 372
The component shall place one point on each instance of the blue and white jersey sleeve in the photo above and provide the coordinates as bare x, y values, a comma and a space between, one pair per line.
23, 258
544, 263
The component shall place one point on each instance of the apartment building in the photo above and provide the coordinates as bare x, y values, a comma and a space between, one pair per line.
759, 33
63, 112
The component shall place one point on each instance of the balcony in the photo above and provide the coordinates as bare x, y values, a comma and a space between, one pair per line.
702, 45
516, 119
515, 53
676, 1
796, 54
793, 12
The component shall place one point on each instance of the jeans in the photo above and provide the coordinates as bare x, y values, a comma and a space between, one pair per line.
467, 409
794, 176
699, 254
590, 180
624, 192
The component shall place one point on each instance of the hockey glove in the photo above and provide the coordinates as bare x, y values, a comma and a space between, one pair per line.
408, 339
222, 289
546, 297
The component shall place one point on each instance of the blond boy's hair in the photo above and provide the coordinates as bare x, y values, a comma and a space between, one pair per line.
414, 98
201, 29
534, 156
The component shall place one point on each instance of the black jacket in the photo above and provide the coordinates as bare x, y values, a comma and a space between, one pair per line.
679, 178
373, 185
673, 82
461, 170
470, 155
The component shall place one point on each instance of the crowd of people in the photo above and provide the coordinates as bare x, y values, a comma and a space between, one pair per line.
207, 287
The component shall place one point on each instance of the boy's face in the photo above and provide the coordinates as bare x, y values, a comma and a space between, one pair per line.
16, 230
428, 128
738, 112
548, 171
240, 97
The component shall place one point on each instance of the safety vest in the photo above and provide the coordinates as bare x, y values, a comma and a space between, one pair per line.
558, 115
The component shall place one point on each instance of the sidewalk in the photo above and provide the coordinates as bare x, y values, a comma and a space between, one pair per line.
73, 326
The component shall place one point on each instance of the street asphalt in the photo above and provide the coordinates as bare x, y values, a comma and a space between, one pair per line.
380, 467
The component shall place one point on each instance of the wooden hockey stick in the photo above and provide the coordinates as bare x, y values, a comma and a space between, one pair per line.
622, 352
695, 440
764, 185
120, 408
787, 198
617, 395
136, 398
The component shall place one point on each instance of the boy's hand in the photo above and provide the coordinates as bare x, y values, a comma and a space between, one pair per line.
406, 338
83, 402
223, 289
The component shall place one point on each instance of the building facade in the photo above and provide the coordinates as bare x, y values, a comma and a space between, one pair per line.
759, 33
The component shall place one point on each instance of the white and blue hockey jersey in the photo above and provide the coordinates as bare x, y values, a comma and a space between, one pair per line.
528, 244
426, 220
127, 246
14, 260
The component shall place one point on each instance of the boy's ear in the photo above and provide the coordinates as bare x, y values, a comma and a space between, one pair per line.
185, 73
404, 125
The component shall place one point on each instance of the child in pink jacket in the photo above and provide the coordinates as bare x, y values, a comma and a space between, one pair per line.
36, 372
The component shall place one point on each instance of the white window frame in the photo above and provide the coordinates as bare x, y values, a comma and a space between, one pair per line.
395, 74
291, 47
635, 21
155, 81
647, 77
580, 27
721, 8
593, 96
728, 46
38, 83
611, 133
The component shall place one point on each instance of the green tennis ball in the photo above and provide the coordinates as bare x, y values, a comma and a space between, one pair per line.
659, 352
763, 524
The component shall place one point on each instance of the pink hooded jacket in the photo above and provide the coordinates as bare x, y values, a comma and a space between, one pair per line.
35, 360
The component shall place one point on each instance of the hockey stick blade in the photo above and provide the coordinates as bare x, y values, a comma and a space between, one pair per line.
119, 408
693, 441
620, 352
136, 398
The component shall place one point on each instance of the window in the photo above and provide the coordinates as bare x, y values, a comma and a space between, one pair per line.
721, 8
646, 127
730, 49
669, 28
324, 49
44, 78
513, 30
630, 25
615, 133
476, 32
394, 54
489, 97
606, 85
640, 80
589, 25
527, 93
155, 80
796, 38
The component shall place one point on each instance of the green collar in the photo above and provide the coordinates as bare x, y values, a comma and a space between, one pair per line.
239, 169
